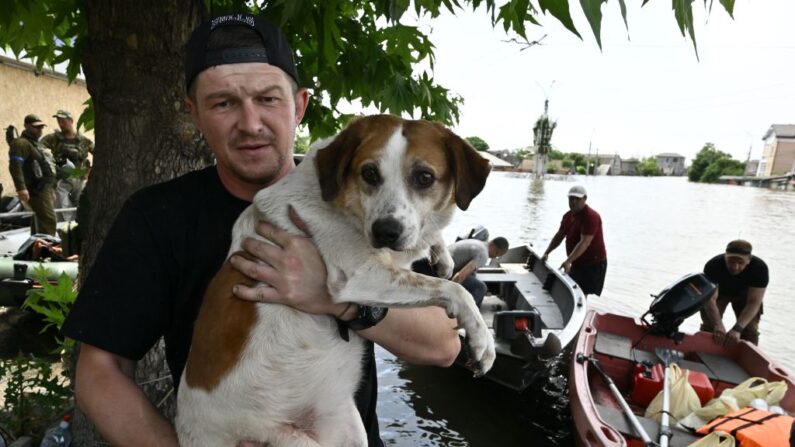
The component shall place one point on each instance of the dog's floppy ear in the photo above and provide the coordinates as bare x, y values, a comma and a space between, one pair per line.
469, 168
333, 161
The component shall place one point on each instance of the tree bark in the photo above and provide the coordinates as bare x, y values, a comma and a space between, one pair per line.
132, 61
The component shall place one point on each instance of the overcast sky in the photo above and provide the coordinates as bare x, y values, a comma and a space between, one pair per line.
636, 97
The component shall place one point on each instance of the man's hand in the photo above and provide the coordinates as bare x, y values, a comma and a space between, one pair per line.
24, 195
732, 337
544, 257
292, 271
719, 333
566, 266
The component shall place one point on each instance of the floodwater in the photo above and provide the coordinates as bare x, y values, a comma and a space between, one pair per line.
656, 230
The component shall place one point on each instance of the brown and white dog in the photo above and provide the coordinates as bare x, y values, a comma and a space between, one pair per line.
375, 198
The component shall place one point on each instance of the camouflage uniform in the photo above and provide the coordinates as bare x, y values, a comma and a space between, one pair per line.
32, 168
69, 153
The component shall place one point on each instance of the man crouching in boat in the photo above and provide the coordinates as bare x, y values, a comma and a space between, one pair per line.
742, 279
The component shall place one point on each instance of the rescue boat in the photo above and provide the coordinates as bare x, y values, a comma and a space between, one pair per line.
622, 352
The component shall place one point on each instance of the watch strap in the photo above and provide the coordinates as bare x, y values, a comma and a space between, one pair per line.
367, 317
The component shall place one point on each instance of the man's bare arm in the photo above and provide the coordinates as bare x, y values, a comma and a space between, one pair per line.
553, 244
468, 269
106, 393
296, 271
752, 305
579, 249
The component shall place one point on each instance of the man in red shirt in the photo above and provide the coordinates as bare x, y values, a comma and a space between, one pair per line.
581, 226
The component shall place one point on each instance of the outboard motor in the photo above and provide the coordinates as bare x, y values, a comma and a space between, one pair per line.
676, 302
478, 232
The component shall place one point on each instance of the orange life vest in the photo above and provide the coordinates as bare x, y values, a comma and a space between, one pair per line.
753, 428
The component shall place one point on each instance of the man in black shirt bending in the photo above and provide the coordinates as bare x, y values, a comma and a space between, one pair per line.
741, 279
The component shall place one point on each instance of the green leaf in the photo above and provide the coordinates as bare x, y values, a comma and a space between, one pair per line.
560, 10
683, 11
728, 5
593, 12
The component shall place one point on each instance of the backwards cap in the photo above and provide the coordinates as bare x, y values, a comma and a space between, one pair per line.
277, 51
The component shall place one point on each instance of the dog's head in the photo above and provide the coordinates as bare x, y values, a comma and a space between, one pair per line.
402, 179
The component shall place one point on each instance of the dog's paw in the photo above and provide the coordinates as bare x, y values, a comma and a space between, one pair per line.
442, 262
481, 350
444, 268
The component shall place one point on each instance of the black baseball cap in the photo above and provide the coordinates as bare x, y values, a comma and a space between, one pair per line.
277, 51
34, 120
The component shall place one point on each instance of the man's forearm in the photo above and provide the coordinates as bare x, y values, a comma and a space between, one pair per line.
579, 249
422, 335
553, 244
469, 268
119, 409
712, 314
752, 306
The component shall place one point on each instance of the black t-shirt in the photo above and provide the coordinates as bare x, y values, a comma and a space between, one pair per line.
754, 275
148, 280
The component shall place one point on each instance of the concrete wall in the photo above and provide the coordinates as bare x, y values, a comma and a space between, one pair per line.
784, 157
23, 91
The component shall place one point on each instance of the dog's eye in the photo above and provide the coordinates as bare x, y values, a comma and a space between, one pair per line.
370, 175
423, 179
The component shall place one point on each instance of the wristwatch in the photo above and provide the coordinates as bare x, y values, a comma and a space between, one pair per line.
737, 328
367, 317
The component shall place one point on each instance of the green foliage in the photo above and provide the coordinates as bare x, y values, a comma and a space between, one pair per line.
350, 50
722, 166
580, 169
52, 301
648, 167
521, 154
710, 163
478, 143
301, 145
555, 154
33, 394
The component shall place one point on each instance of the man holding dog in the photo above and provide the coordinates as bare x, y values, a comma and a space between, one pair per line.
586, 260
170, 239
742, 280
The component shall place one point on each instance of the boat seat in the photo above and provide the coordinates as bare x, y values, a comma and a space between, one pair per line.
725, 369
619, 346
618, 420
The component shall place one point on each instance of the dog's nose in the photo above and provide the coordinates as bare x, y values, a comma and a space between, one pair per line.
386, 232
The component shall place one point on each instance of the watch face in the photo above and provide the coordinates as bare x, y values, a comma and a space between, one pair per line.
376, 313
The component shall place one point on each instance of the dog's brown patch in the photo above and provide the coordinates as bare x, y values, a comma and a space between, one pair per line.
222, 329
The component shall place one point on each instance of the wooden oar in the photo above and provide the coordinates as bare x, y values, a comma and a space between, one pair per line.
617, 394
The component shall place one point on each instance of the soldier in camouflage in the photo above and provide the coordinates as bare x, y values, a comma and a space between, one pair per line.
71, 150
32, 168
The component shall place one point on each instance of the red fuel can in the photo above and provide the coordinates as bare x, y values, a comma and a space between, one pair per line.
645, 386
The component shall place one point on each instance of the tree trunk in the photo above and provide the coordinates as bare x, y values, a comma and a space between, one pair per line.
132, 60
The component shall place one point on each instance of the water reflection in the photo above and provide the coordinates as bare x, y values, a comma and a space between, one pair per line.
427, 406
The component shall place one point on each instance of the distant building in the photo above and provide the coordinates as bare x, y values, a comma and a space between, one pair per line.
778, 155
607, 164
751, 167
497, 164
629, 166
671, 163
506, 155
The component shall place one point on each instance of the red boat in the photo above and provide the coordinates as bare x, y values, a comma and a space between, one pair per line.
619, 346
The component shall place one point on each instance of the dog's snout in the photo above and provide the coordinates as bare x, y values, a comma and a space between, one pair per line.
386, 232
